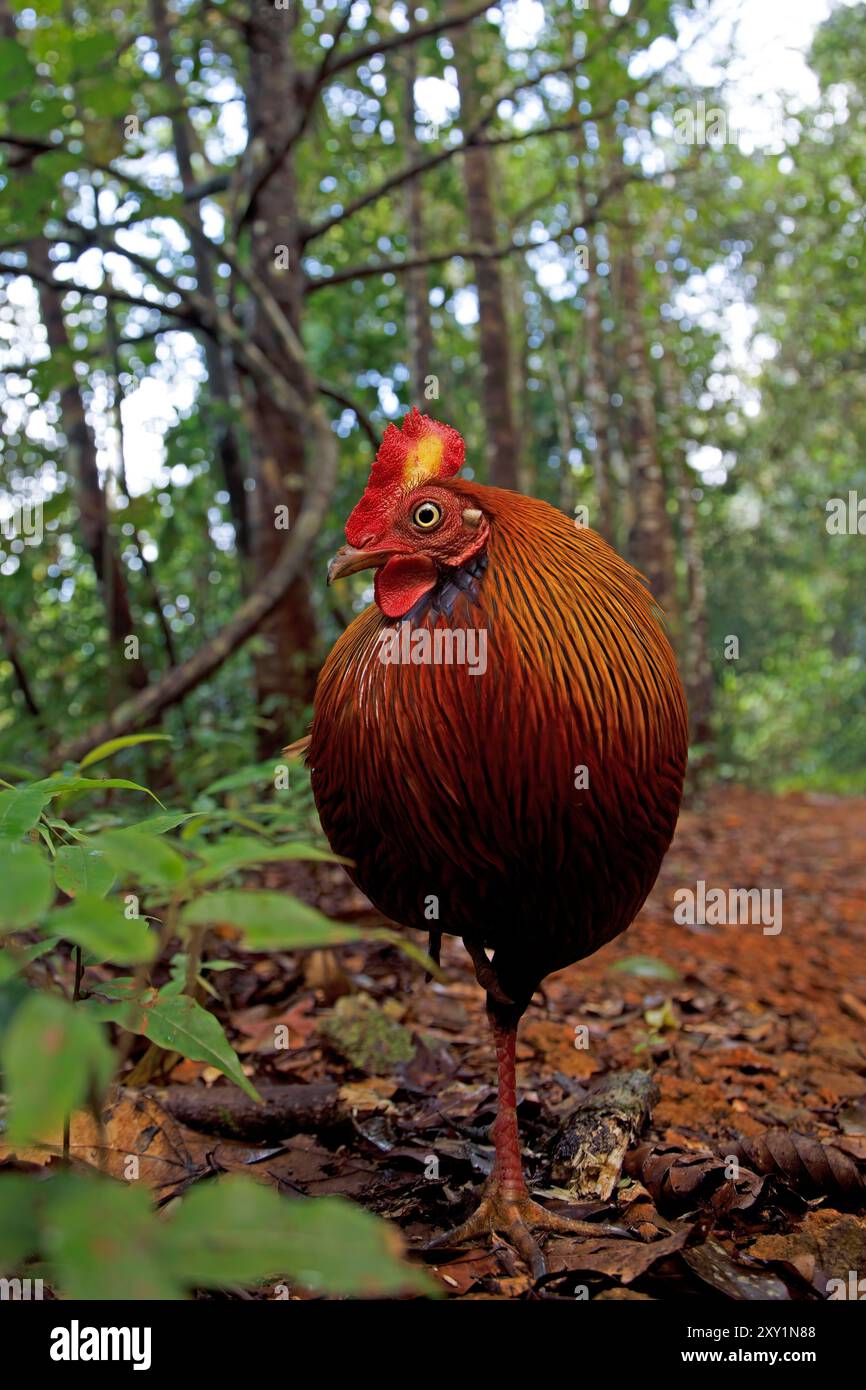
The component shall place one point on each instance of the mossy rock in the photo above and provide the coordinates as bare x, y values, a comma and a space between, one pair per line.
367, 1036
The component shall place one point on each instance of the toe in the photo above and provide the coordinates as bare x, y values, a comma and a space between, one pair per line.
477, 1225
568, 1226
518, 1235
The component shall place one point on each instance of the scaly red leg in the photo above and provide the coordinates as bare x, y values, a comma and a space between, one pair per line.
506, 1205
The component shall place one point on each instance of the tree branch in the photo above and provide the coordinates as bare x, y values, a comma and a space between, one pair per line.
334, 394
43, 276
135, 186
218, 322
471, 136
456, 19
481, 253
178, 682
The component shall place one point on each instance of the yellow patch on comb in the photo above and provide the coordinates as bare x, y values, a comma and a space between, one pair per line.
423, 461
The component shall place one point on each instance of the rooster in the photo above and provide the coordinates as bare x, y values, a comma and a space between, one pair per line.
524, 802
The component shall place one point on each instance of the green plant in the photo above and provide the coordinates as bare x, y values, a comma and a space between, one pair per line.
131, 889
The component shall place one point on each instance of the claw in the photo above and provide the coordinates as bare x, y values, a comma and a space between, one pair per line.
513, 1218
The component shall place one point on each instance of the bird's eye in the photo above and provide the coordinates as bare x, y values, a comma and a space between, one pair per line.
426, 516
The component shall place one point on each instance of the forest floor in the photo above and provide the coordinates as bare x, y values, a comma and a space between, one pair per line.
756, 1041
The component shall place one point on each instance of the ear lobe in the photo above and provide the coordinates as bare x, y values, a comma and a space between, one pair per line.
472, 518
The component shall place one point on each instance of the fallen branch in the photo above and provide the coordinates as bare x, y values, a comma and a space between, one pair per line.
287, 1110
589, 1150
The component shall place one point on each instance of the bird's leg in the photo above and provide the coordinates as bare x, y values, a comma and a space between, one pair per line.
506, 1206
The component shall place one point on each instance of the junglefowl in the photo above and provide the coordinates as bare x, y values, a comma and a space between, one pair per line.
526, 806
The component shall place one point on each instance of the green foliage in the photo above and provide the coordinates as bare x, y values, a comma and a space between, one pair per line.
54, 1058
98, 1238
104, 1243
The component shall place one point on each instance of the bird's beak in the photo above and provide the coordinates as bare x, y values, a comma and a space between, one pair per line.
348, 560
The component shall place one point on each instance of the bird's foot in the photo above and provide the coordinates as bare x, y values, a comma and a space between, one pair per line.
515, 1218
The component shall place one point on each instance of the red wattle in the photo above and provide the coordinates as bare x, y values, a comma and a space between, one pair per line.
402, 582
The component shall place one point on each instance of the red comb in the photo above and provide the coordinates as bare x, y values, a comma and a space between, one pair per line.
421, 450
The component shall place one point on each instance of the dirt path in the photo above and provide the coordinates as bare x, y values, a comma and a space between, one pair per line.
753, 1035
746, 1029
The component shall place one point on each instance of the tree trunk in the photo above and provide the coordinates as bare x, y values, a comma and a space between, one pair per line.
503, 454
651, 539
562, 409
597, 396
418, 328
219, 372
598, 403
286, 669
518, 333
698, 674
695, 635
89, 495
10, 639
82, 466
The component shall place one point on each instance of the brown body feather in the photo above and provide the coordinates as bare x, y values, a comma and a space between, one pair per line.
457, 789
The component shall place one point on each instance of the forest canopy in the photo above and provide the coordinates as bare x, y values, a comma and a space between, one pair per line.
237, 239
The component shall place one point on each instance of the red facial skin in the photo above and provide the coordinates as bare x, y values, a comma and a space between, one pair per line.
416, 554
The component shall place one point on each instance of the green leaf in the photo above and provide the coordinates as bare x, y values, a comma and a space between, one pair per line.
105, 750
236, 1230
258, 774
89, 51
16, 72
104, 96
16, 770
179, 1025
268, 921
26, 889
62, 785
102, 929
41, 117
645, 968
106, 1242
20, 809
19, 1229
70, 831
241, 851
10, 964
163, 821
78, 869
54, 1056
145, 858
